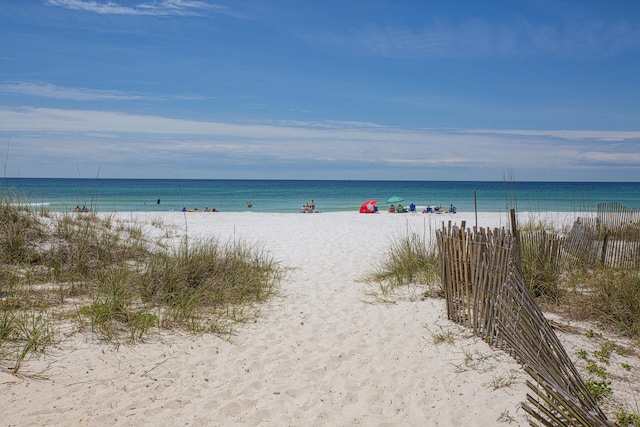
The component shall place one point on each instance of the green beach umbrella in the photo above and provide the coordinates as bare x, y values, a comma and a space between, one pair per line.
395, 199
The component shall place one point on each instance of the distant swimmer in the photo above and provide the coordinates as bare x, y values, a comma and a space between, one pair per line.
249, 204
158, 201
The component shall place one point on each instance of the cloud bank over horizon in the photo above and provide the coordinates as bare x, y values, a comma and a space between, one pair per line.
109, 139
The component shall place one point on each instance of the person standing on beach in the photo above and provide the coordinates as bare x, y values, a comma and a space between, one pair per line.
313, 205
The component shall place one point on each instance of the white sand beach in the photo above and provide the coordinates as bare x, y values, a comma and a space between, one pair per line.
322, 354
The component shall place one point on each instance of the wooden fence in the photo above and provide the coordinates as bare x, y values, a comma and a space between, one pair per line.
485, 291
611, 239
615, 215
613, 244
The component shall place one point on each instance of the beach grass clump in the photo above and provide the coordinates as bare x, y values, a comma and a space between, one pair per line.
505, 417
22, 334
441, 335
410, 260
503, 380
113, 305
87, 244
20, 232
608, 295
208, 277
541, 260
616, 298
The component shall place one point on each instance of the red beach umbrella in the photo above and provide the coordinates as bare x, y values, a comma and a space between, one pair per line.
369, 206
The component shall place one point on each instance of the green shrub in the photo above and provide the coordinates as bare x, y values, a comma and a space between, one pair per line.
599, 388
627, 419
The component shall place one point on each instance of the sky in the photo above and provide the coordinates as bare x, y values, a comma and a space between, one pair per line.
529, 90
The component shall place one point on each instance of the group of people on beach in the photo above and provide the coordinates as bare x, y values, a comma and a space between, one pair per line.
308, 207
437, 209
311, 208
402, 209
206, 209
412, 208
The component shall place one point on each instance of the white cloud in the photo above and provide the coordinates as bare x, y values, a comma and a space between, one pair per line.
473, 38
564, 134
619, 158
47, 90
153, 8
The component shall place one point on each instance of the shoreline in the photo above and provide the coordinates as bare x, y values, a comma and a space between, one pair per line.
287, 196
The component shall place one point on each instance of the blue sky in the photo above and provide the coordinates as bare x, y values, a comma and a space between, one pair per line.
295, 89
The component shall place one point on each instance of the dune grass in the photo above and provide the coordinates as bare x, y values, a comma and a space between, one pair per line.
107, 276
194, 281
540, 261
410, 264
610, 296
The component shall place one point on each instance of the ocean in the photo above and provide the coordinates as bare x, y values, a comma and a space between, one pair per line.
155, 195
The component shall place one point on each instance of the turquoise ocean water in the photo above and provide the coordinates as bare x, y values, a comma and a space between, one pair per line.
142, 195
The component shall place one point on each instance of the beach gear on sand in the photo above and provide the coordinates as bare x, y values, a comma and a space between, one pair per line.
369, 206
395, 199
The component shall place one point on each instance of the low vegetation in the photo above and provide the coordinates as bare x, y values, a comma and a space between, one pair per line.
610, 296
600, 367
107, 277
410, 265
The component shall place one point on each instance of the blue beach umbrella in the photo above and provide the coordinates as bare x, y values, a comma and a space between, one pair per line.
395, 199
